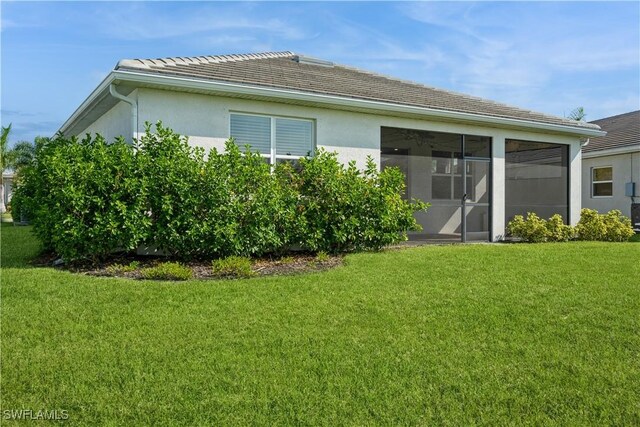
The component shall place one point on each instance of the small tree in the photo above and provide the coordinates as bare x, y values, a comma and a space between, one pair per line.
22, 155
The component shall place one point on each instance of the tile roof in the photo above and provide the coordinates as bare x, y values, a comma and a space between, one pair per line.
622, 130
287, 70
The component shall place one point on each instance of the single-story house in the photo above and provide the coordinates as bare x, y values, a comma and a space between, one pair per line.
478, 162
611, 167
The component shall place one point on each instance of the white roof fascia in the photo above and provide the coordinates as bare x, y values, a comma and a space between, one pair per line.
81, 110
243, 89
612, 151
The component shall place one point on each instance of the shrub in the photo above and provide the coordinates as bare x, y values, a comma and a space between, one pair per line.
234, 266
121, 268
342, 208
322, 257
558, 231
89, 198
610, 227
227, 204
619, 228
287, 260
533, 229
84, 198
591, 225
167, 271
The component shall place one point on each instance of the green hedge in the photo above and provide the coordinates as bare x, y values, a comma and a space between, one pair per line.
89, 198
84, 198
609, 227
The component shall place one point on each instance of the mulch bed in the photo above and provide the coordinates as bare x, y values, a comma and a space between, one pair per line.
269, 266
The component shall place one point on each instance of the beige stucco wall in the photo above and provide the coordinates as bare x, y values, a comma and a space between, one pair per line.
625, 168
205, 119
115, 122
353, 135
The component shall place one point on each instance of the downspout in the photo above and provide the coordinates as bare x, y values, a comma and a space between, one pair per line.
584, 142
134, 109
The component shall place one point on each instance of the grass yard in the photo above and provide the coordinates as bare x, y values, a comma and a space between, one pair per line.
455, 335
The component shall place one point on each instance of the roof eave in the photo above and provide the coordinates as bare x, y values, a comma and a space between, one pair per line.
230, 88
612, 151
84, 109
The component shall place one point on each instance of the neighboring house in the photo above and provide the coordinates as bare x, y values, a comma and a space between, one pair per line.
6, 191
611, 167
477, 162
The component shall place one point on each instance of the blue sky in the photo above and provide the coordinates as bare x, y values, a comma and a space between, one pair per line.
548, 56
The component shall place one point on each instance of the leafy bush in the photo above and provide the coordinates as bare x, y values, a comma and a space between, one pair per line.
84, 198
591, 225
167, 271
227, 204
558, 231
619, 227
287, 260
234, 266
89, 198
610, 227
322, 257
533, 229
344, 209
121, 268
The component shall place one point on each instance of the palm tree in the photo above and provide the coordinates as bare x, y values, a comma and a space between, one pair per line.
578, 114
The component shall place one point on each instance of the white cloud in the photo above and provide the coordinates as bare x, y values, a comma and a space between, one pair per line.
142, 21
510, 53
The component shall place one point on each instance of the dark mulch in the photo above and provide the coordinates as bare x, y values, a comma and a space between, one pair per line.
131, 266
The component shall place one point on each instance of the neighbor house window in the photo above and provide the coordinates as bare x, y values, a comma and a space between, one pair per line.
277, 139
602, 182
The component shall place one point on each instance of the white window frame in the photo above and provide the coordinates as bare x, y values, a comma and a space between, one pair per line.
272, 156
594, 182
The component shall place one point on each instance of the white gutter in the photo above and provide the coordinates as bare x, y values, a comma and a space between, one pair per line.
242, 89
134, 109
235, 88
612, 151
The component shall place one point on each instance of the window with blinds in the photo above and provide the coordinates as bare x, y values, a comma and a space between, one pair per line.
252, 130
274, 137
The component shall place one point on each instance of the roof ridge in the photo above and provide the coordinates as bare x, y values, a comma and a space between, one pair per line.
209, 59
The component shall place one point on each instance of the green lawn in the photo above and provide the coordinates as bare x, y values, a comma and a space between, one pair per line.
457, 335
